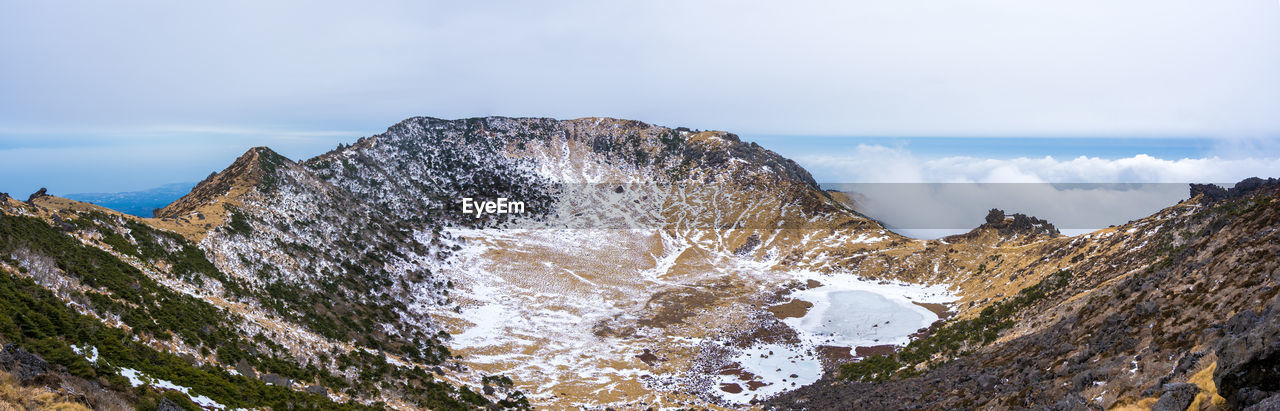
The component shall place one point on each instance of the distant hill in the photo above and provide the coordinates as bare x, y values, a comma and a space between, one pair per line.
138, 203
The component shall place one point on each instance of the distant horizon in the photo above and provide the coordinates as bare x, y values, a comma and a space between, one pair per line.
121, 97
836, 159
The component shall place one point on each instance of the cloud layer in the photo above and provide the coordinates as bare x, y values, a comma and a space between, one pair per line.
899, 68
883, 164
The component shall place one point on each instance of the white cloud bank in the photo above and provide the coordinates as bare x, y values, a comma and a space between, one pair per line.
930, 198
882, 164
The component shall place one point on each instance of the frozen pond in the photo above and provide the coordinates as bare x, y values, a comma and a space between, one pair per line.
837, 311
848, 312
851, 318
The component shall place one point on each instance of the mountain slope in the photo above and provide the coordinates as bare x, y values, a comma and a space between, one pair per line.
115, 304
1165, 299
649, 266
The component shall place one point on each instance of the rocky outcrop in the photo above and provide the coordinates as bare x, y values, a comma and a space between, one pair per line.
42, 192
1248, 370
167, 404
22, 364
1212, 192
1018, 223
1176, 397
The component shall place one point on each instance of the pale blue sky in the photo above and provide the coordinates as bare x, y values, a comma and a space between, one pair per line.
113, 96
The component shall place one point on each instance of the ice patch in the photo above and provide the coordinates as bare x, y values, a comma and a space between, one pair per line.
850, 312
774, 366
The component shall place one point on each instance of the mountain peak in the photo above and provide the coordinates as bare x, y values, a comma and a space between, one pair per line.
206, 203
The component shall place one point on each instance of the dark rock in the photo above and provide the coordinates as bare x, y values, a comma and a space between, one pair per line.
1271, 403
63, 225
488, 390
166, 404
752, 242
1255, 397
1018, 223
42, 192
995, 215
1177, 396
1147, 308
22, 364
317, 390
245, 369
986, 381
1213, 192
1072, 402
618, 190
1249, 357
276, 379
1210, 192
4, 198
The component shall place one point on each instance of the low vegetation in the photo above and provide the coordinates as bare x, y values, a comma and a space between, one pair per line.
41, 322
955, 338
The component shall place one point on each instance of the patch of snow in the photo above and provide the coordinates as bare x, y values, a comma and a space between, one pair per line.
137, 378
774, 366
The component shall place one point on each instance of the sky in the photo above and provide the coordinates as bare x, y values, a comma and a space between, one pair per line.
118, 96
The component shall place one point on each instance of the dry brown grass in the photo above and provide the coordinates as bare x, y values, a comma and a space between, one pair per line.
14, 396
1208, 398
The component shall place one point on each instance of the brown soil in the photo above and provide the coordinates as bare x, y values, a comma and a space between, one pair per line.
791, 309
812, 284
731, 388
875, 350
835, 355
941, 310
736, 370
648, 357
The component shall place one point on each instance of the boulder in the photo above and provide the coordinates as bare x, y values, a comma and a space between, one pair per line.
42, 192
22, 364
245, 369
277, 380
1176, 397
995, 215
1249, 357
1271, 403
166, 404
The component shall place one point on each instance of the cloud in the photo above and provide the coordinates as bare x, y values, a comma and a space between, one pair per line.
883, 164
901, 68
935, 197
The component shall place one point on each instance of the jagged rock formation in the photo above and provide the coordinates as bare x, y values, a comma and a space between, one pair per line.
1211, 192
42, 192
1011, 225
